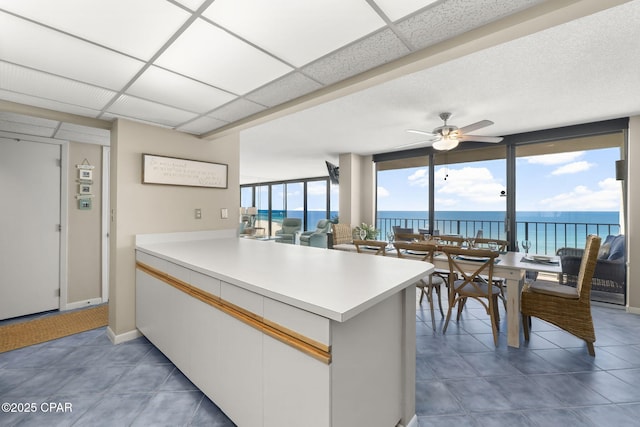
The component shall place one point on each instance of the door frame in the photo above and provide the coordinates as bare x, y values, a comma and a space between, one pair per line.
106, 223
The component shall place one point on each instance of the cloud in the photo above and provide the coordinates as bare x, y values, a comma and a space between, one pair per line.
554, 159
419, 178
383, 192
574, 167
468, 188
317, 188
605, 198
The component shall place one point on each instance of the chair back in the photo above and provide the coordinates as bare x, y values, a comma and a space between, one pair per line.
422, 250
588, 266
323, 226
479, 279
451, 240
407, 237
366, 246
291, 225
342, 233
483, 242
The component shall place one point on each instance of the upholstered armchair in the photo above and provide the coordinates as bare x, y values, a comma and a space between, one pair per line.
610, 272
290, 227
317, 238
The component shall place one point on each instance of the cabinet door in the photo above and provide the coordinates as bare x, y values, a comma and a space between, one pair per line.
296, 387
241, 360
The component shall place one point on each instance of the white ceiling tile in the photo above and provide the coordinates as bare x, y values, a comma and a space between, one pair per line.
129, 106
211, 55
43, 85
48, 104
138, 28
202, 125
356, 58
395, 9
236, 110
284, 89
296, 31
56, 53
169, 88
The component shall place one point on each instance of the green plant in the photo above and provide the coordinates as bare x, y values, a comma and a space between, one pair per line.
371, 231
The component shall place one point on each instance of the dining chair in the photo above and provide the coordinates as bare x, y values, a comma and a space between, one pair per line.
367, 246
408, 237
477, 284
566, 307
502, 246
424, 251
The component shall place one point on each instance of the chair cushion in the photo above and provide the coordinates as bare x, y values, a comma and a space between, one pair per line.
551, 288
616, 250
481, 289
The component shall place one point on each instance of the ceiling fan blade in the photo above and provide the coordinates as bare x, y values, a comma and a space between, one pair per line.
424, 141
478, 138
475, 126
423, 132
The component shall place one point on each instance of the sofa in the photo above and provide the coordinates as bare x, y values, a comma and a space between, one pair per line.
610, 274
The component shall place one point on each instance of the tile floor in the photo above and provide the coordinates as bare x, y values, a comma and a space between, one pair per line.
461, 379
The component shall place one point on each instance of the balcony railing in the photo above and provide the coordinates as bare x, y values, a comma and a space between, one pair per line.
545, 237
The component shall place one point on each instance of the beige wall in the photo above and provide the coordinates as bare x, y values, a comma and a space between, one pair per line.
143, 208
84, 234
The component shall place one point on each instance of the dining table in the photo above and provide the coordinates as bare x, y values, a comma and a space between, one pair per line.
512, 266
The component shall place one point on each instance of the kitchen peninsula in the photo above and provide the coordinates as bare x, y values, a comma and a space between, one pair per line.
280, 335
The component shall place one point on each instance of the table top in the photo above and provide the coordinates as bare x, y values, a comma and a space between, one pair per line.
334, 284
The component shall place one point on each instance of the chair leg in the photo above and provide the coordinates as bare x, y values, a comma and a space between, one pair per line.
461, 302
430, 298
525, 326
438, 291
496, 312
493, 308
446, 322
592, 351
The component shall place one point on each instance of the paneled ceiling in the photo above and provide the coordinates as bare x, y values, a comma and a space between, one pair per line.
201, 66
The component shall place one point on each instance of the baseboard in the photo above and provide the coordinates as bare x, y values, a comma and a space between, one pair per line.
120, 338
81, 304
634, 310
413, 422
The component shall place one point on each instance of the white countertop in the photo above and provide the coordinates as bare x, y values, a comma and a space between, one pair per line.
333, 284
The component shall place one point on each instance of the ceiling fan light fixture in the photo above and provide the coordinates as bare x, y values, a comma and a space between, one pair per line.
446, 144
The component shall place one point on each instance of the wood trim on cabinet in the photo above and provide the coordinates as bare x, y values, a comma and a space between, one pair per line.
315, 349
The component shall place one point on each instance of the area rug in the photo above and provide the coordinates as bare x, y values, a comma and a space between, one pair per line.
49, 328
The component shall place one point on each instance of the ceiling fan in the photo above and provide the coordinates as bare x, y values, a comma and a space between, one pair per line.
447, 137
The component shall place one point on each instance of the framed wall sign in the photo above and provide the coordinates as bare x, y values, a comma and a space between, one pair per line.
176, 171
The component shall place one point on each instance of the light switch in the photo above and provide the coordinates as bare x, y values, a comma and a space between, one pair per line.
198, 213
224, 213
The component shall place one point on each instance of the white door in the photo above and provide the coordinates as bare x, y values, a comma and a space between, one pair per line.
29, 227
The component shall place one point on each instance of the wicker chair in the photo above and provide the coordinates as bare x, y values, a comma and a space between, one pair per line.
564, 306
477, 285
342, 234
424, 252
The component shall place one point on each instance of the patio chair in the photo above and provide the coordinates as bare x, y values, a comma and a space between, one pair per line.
566, 307
477, 284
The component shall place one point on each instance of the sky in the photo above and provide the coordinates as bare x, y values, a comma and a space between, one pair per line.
572, 181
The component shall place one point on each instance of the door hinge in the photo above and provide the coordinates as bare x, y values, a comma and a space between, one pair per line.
59, 163
58, 227
56, 293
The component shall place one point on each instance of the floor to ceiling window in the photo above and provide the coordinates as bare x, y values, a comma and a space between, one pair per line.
566, 191
308, 199
469, 192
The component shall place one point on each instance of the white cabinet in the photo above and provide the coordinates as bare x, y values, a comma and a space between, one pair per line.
271, 364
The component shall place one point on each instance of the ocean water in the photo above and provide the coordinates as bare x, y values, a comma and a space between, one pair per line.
547, 231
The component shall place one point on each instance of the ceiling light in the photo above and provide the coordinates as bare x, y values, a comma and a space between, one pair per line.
446, 143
